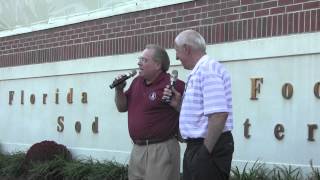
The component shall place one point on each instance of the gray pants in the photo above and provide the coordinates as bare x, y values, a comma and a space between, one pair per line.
159, 161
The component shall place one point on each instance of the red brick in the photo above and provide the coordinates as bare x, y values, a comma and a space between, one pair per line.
296, 22
313, 20
263, 12
230, 31
269, 4
232, 17
264, 27
188, 18
194, 23
285, 24
195, 10
239, 30
246, 15
209, 38
245, 29
296, 7
206, 21
255, 28
301, 22
172, 14
307, 19
235, 30
220, 6
318, 20
254, 7
183, 12
222, 31
284, 2
214, 13
259, 27
290, 23
274, 26
240, 9
189, 5
226, 11
201, 2
219, 19
166, 9
280, 25
311, 5
277, 10
269, 26
201, 16
213, 33
243, 2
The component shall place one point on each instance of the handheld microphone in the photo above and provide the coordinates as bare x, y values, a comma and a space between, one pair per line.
116, 82
173, 80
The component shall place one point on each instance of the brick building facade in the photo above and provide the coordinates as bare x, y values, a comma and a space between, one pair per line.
219, 21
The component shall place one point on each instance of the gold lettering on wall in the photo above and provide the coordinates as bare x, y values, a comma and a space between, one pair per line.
22, 97
311, 129
84, 98
316, 90
279, 131
287, 91
57, 96
95, 125
11, 93
44, 98
77, 127
32, 98
60, 126
70, 96
246, 125
255, 87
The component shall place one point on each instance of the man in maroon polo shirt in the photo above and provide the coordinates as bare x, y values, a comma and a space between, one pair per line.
153, 123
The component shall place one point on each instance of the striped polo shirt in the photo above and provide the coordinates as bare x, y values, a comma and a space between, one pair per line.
208, 91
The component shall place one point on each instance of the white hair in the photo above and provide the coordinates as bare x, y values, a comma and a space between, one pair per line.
191, 38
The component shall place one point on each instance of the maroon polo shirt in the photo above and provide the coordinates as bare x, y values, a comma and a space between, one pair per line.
148, 116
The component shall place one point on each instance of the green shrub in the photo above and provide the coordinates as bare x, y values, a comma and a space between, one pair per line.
258, 171
90, 170
315, 175
49, 170
60, 167
10, 165
286, 173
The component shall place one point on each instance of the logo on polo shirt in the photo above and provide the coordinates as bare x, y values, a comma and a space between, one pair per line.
152, 96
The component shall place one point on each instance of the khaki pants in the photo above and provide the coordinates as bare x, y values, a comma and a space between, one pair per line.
159, 161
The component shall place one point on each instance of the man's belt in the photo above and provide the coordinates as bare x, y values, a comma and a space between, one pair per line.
200, 140
143, 142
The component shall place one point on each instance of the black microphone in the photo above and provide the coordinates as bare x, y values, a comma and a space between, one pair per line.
116, 82
173, 80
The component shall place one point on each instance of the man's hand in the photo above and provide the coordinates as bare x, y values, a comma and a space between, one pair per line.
120, 97
171, 92
121, 86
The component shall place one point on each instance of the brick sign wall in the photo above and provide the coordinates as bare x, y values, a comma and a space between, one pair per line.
217, 20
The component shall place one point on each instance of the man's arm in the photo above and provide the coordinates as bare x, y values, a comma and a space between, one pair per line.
120, 100
216, 123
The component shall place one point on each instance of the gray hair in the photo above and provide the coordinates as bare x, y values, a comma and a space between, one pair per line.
160, 55
191, 38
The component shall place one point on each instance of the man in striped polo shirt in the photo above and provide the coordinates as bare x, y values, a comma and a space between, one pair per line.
205, 111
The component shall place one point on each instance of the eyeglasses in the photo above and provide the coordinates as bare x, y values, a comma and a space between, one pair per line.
142, 59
